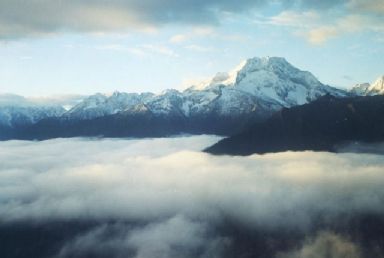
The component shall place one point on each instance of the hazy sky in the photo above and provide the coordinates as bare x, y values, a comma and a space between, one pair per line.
56, 47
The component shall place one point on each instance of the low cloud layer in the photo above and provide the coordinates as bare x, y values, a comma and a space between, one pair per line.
326, 244
174, 237
164, 198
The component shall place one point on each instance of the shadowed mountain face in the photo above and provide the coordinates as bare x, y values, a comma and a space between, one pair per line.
320, 126
139, 125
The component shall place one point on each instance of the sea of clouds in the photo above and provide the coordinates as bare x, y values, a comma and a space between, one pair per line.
155, 198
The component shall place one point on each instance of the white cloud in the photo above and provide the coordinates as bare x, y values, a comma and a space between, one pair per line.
179, 38
156, 240
140, 50
198, 48
326, 244
137, 51
164, 198
159, 49
204, 31
139, 179
321, 35
198, 33
194, 33
295, 19
343, 26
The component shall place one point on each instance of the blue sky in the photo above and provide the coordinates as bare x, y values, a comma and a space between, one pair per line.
62, 47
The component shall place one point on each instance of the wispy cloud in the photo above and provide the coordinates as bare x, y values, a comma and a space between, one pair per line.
198, 48
295, 19
317, 28
178, 38
25, 58
140, 50
193, 40
343, 26
194, 33
159, 49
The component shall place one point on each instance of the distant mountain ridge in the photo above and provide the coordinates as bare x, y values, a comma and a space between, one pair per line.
224, 104
18, 111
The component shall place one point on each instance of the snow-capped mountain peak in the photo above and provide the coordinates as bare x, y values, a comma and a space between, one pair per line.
247, 66
276, 67
94, 100
366, 89
106, 104
276, 80
378, 86
272, 79
221, 78
360, 88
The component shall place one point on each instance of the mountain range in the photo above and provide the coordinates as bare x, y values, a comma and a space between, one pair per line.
258, 85
225, 104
